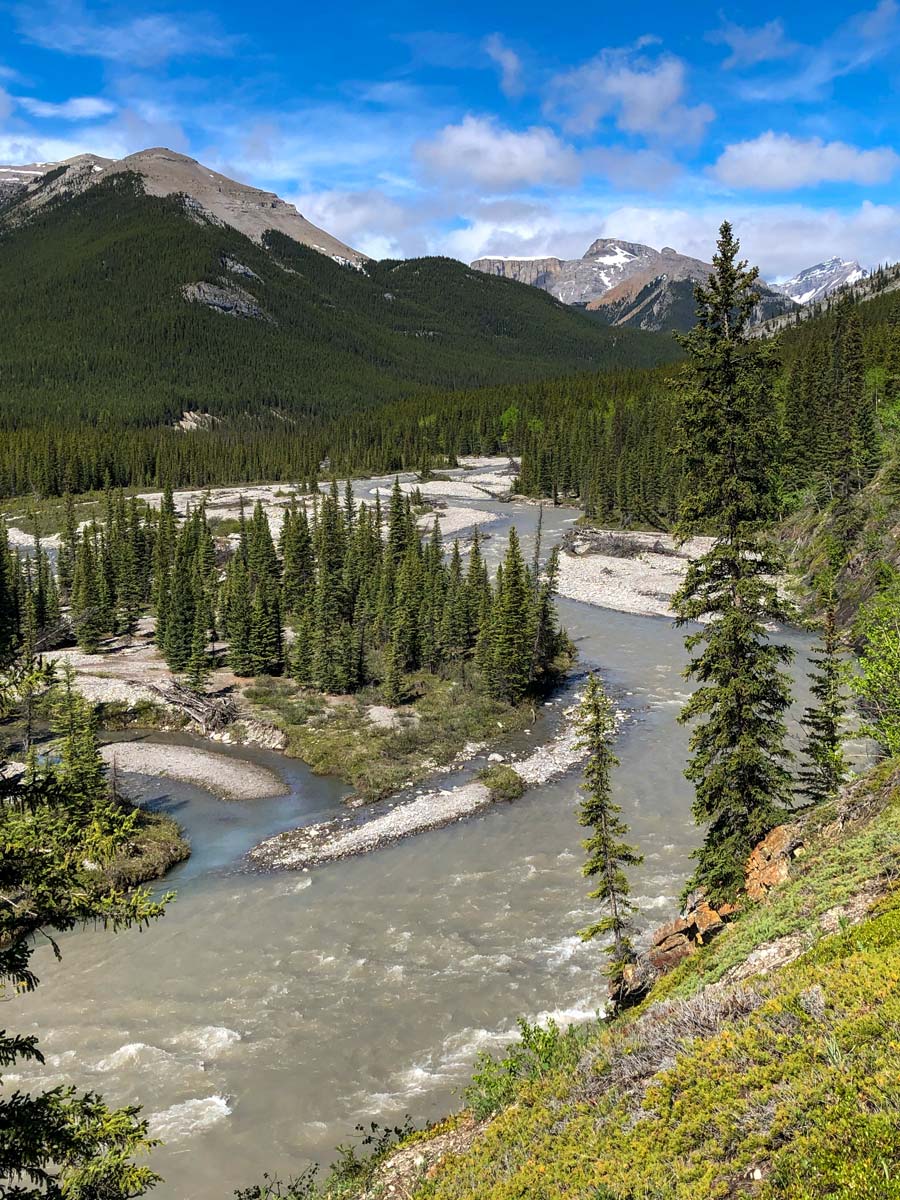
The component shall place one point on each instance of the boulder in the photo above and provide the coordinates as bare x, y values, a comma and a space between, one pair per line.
698, 923
770, 862
671, 943
637, 979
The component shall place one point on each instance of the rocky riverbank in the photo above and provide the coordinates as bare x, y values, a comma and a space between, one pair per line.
631, 572
224, 776
329, 841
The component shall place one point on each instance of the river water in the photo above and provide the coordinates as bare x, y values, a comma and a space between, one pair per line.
266, 1014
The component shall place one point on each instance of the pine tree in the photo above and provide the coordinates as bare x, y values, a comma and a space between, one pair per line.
68, 549
236, 604
825, 767
81, 765
608, 852
197, 669
727, 440
9, 607
392, 686
86, 611
511, 627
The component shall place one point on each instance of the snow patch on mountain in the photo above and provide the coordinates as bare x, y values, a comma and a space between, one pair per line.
817, 282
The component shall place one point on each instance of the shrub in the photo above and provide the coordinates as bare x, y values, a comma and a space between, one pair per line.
503, 782
539, 1050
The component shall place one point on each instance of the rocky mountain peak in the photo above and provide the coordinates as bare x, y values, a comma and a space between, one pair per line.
166, 172
817, 282
624, 282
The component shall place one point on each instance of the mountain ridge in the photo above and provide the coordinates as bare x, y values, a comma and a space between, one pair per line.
626, 283
819, 281
207, 193
115, 301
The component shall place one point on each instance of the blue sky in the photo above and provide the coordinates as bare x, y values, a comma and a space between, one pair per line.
492, 128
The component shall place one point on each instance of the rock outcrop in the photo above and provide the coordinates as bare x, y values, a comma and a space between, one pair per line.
698, 924
231, 300
770, 863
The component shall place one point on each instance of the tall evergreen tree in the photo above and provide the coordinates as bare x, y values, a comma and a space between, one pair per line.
511, 630
825, 767
608, 852
727, 440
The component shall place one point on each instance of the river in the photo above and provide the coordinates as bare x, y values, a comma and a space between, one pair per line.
266, 1014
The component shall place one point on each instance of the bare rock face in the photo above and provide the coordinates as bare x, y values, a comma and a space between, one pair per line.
607, 263
626, 283
231, 300
539, 272
206, 194
770, 862
696, 926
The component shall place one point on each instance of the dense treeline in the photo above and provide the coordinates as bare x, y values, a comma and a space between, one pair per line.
368, 600
98, 330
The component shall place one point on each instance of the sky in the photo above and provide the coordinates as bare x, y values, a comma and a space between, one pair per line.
492, 128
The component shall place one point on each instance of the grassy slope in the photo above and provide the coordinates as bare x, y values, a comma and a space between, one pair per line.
784, 1084
868, 528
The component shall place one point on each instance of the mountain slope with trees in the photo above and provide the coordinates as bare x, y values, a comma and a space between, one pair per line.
118, 306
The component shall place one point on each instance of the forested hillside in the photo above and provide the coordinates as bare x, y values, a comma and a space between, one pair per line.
97, 325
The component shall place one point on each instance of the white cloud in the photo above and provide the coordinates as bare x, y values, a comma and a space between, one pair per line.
880, 21
66, 26
631, 170
645, 96
509, 63
752, 46
78, 108
30, 147
482, 152
861, 41
6, 104
782, 239
779, 162
368, 220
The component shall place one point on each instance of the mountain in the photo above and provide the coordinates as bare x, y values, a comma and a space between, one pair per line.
120, 298
607, 263
162, 172
818, 282
625, 283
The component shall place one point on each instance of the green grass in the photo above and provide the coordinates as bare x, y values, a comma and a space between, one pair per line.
338, 739
783, 1087
158, 845
503, 782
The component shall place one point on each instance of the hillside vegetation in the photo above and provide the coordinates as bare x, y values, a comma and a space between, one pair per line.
97, 327
766, 1065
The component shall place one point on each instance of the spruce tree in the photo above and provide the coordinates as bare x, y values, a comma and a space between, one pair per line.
825, 768
81, 765
86, 611
511, 627
608, 852
197, 669
727, 440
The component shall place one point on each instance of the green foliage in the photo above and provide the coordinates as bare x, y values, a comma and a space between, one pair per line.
339, 739
608, 852
539, 1050
727, 439
879, 681
825, 767
503, 782
58, 830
